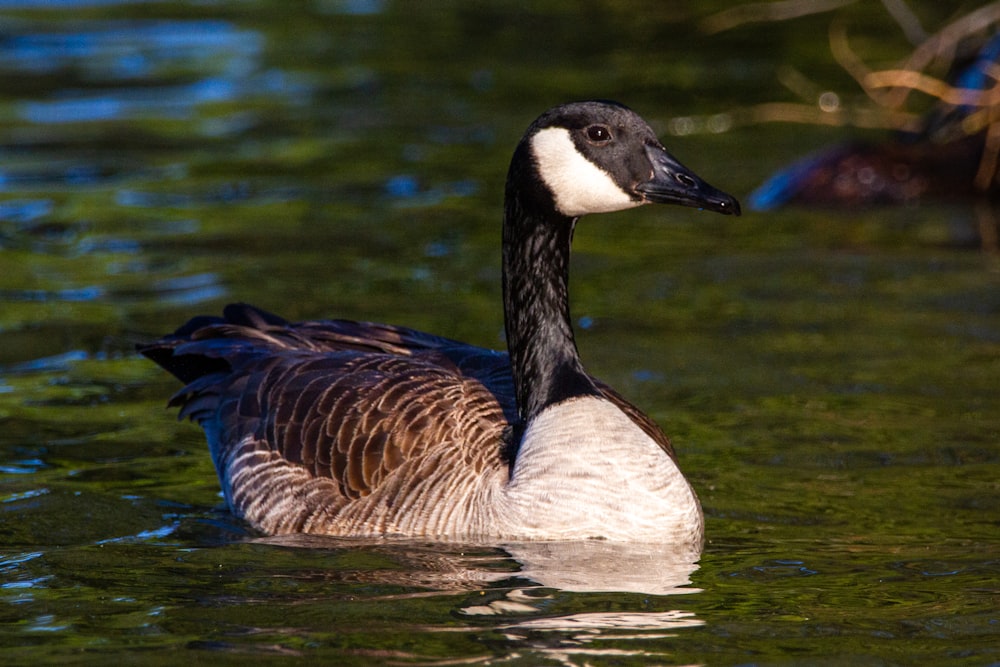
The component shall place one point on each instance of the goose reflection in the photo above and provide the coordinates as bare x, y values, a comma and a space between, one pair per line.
517, 590
607, 567
577, 566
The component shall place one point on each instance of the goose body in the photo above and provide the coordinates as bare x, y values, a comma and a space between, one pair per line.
352, 428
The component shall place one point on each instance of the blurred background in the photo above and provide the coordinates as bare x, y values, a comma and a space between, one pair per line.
826, 364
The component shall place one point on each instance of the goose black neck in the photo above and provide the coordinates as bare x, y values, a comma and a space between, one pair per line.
536, 248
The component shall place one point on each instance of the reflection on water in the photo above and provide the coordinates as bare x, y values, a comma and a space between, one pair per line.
608, 567
519, 583
226, 58
133, 49
593, 566
829, 382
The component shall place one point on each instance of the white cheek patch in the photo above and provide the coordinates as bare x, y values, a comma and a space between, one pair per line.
577, 184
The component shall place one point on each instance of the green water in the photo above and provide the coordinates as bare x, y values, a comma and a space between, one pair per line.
829, 380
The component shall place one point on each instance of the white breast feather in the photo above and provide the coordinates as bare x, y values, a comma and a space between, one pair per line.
585, 469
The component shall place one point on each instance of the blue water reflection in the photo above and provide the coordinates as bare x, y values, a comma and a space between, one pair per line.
135, 49
25, 210
225, 62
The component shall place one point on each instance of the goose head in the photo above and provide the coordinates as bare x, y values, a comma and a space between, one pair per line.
575, 159
599, 156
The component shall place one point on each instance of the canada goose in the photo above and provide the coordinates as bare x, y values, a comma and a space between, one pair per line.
352, 428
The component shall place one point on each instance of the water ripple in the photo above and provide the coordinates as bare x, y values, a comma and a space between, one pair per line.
24, 495
56, 362
174, 102
23, 467
132, 49
25, 210
218, 61
14, 560
143, 536
189, 290
73, 294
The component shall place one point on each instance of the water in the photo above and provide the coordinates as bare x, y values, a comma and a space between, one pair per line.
829, 379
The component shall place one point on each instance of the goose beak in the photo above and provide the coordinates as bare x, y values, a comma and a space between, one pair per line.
673, 183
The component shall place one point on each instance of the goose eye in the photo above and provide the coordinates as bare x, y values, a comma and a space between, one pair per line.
598, 134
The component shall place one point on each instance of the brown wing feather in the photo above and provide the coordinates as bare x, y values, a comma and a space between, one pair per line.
352, 417
306, 419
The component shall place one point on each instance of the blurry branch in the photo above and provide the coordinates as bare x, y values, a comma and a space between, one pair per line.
889, 89
789, 112
982, 104
904, 78
988, 163
850, 61
944, 44
816, 115
764, 12
906, 19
